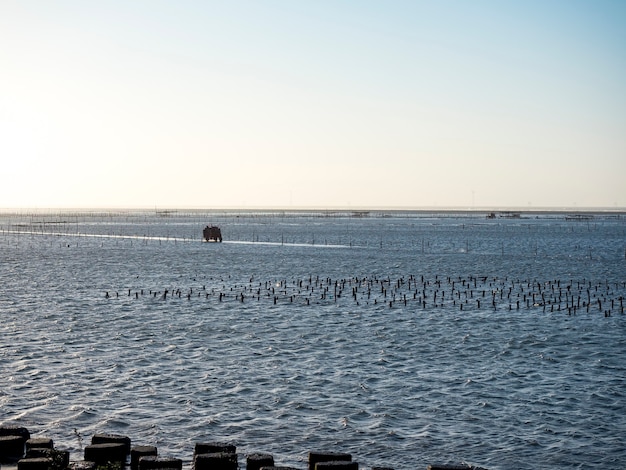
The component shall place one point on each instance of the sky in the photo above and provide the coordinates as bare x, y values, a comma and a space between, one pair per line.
313, 104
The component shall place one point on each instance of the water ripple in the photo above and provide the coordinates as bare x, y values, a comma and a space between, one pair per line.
395, 386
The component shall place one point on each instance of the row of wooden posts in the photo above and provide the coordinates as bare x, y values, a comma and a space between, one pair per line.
112, 451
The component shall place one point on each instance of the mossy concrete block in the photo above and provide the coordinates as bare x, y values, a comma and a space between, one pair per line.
216, 461
152, 462
60, 458
102, 438
137, 452
35, 463
11, 448
106, 452
315, 457
337, 465
214, 447
82, 465
257, 460
36, 452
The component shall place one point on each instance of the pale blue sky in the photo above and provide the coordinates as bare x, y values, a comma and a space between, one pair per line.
312, 104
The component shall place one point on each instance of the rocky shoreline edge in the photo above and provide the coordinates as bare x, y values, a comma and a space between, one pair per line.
18, 451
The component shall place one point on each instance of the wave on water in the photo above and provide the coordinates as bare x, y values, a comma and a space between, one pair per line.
497, 344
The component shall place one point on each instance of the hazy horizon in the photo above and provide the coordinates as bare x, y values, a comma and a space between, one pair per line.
304, 209
327, 104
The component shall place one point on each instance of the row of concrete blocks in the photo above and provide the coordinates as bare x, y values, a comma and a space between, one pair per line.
16, 446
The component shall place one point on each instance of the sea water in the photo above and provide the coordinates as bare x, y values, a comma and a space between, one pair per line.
405, 339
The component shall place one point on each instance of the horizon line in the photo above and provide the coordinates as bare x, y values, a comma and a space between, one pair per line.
465, 209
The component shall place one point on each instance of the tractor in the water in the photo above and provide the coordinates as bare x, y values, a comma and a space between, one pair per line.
212, 233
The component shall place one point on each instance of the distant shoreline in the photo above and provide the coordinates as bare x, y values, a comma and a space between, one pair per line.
320, 212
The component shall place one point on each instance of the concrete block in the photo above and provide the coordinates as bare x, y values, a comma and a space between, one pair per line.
256, 461
35, 463
11, 448
82, 465
39, 443
214, 447
448, 467
278, 468
102, 438
337, 465
152, 462
216, 461
106, 452
137, 452
60, 458
15, 431
315, 457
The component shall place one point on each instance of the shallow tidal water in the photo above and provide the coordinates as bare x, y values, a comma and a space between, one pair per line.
405, 339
